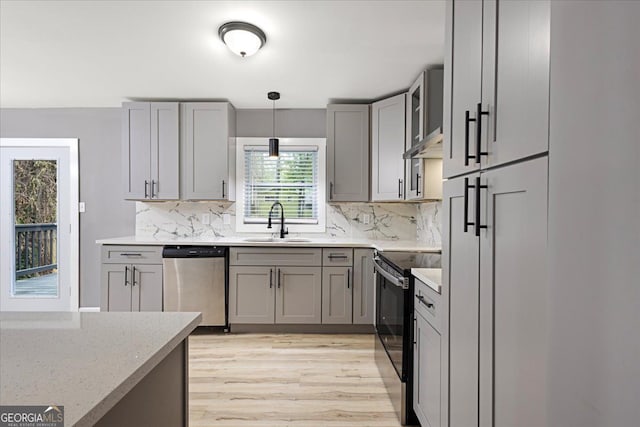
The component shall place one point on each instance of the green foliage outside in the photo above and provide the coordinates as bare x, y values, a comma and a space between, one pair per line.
289, 179
35, 202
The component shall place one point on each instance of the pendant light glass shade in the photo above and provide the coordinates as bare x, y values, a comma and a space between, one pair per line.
242, 38
274, 147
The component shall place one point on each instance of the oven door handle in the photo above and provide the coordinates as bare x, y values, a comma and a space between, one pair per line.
400, 282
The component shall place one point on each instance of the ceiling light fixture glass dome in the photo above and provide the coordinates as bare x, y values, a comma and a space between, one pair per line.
242, 38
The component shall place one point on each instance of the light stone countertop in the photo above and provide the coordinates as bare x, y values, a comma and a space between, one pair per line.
432, 277
381, 245
84, 361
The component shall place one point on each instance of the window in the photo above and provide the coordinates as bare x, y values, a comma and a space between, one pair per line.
295, 179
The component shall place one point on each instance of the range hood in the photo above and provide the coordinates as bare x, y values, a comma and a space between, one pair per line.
429, 148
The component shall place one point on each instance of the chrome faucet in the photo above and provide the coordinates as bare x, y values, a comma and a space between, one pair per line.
282, 229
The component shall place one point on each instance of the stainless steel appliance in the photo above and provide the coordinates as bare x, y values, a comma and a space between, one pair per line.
394, 325
195, 279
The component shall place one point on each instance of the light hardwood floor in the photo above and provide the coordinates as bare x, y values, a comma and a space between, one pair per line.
283, 380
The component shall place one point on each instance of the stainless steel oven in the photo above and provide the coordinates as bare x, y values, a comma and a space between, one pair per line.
394, 328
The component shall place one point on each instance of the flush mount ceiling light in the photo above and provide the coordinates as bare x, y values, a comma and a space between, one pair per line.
274, 143
242, 38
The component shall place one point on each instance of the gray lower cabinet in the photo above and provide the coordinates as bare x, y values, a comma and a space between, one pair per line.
208, 151
427, 373
131, 287
150, 150
337, 295
251, 294
363, 286
387, 148
298, 295
348, 153
131, 278
264, 289
495, 283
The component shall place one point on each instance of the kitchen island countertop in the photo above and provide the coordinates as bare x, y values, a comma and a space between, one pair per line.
85, 362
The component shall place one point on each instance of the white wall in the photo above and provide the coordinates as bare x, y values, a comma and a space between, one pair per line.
594, 214
107, 213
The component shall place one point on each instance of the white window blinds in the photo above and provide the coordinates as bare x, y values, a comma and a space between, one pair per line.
291, 179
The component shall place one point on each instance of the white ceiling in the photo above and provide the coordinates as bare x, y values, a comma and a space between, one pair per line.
100, 53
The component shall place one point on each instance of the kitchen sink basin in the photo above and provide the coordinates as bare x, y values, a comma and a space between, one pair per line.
276, 240
259, 239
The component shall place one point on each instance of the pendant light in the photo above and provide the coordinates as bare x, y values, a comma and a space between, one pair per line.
274, 143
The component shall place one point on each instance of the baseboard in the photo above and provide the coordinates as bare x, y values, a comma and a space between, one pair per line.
302, 328
89, 309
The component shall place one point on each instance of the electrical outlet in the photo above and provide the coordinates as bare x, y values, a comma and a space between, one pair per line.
206, 218
366, 219
81, 207
226, 219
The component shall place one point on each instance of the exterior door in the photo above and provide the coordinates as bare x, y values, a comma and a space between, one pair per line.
39, 224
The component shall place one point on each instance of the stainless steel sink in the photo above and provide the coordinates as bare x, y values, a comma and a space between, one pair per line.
276, 240
259, 239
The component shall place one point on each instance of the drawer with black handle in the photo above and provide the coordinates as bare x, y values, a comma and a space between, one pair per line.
337, 257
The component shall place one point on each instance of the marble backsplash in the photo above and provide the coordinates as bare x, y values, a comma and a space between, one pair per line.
387, 221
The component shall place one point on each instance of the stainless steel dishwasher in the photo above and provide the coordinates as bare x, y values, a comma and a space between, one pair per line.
195, 279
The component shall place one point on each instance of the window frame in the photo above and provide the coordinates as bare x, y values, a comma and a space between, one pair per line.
320, 226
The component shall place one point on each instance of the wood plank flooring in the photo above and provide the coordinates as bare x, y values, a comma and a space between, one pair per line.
309, 380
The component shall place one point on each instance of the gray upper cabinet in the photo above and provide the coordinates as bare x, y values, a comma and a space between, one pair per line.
515, 86
150, 150
347, 153
463, 85
387, 148
337, 295
498, 88
208, 151
363, 286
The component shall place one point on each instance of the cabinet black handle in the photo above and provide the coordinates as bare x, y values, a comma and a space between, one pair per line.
467, 120
422, 300
417, 184
478, 187
415, 329
466, 204
400, 187
146, 189
279, 279
153, 186
330, 190
479, 114
348, 278
338, 256
126, 275
270, 278
223, 188
130, 254
133, 276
